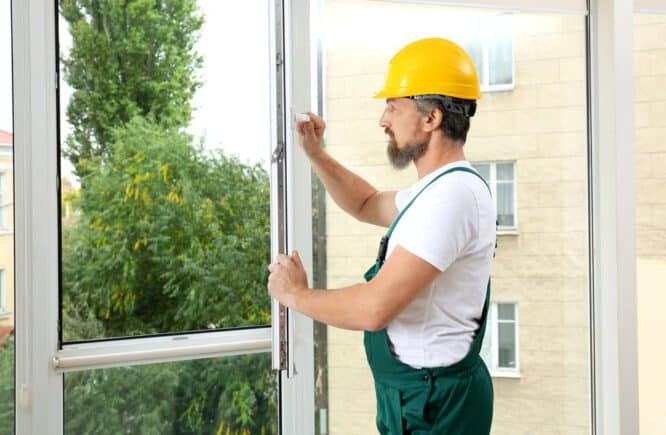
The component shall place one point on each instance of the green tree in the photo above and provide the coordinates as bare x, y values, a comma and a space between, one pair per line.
169, 239
7, 385
128, 58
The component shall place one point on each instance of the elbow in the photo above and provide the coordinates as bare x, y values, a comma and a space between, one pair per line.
375, 326
376, 320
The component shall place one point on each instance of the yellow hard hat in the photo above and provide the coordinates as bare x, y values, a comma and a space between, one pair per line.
431, 66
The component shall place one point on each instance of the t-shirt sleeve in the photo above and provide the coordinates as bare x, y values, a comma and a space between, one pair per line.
401, 198
440, 224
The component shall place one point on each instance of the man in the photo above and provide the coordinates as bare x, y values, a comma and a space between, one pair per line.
425, 302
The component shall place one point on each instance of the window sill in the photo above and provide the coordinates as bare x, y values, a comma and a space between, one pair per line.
507, 232
6, 232
488, 89
510, 375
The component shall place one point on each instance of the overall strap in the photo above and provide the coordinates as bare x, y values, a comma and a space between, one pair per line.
383, 244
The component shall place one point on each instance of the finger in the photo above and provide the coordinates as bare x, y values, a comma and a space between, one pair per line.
317, 121
308, 129
285, 260
297, 259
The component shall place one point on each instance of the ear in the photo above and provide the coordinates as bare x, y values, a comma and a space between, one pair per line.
433, 120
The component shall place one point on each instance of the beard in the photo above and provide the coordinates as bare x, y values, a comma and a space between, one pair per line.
400, 158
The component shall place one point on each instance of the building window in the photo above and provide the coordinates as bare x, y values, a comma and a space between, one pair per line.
4, 202
491, 49
3, 293
500, 343
501, 177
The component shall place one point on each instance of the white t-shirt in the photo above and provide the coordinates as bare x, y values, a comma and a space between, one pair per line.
451, 225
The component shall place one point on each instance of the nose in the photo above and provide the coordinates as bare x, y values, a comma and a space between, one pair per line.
383, 120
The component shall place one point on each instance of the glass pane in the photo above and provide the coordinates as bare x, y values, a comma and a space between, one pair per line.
506, 311
7, 304
235, 395
484, 171
500, 51
165, 145
505, 205
475, 50
505, 172
650, 73
507, 345
540, 124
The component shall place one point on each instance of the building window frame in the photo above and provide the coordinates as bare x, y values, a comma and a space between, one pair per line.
491, 341
487, 32
492, 183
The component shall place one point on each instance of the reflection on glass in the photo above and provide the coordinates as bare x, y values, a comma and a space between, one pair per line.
234, 395
650, 73
528, 140
7, 304
165, 193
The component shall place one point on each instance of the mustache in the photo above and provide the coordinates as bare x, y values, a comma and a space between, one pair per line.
389, 133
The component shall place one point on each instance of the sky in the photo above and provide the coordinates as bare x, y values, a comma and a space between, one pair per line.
232, 108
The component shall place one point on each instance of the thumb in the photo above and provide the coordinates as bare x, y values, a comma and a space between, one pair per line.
297, 258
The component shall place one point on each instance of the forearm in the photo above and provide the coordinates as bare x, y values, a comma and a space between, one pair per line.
348, 190
347, 308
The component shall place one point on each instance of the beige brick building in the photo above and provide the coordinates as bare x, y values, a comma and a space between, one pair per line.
538, 124
650, 73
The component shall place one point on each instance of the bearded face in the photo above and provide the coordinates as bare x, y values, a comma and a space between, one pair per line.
401, 157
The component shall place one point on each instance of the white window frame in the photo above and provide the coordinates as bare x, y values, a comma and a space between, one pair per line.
40, 363
492, 328
614, 388
492, 183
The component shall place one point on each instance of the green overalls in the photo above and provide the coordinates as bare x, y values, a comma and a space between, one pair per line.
452, 400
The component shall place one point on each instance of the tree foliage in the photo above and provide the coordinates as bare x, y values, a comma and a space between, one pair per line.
128, 58
170, 239
7, 385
